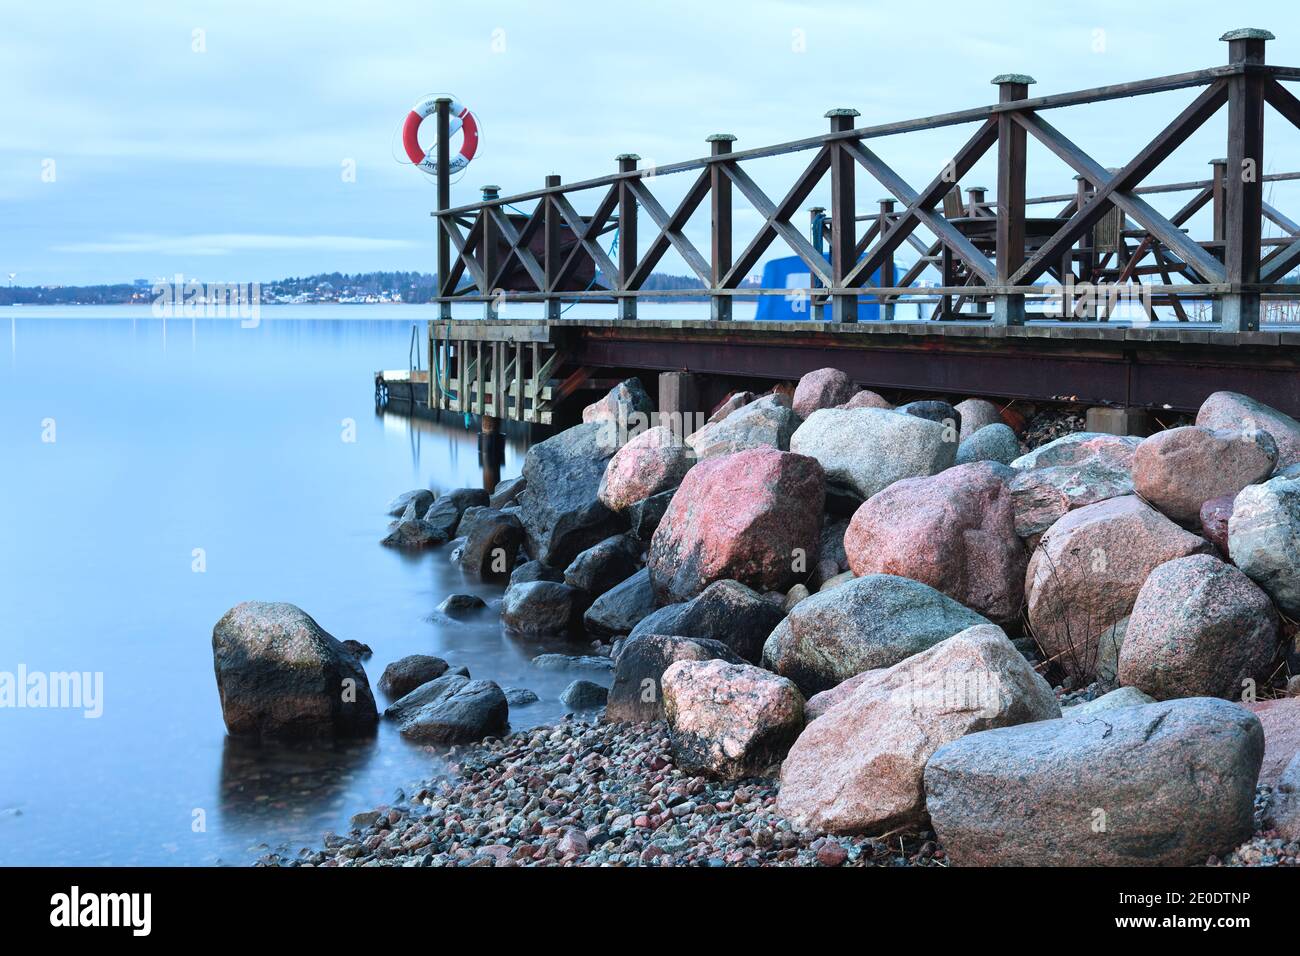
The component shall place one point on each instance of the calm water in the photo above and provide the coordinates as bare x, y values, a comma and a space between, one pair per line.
205, 435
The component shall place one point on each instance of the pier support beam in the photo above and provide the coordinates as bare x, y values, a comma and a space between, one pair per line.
491, 451
1010, 309
679, 401
1244, 189
1118, 421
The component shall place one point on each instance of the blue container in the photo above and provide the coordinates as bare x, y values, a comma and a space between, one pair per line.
792, 273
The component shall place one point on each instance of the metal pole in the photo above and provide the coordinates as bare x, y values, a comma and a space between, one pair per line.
443, 118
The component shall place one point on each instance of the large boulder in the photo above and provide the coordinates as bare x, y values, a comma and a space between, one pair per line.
1281, 721
867, 623
411, 532
446, 513
1180, 469
604, 565
994, 442
621, 608
654, 461
1119, 697
542, 608
858, 768
561, 513
1264, 538
767, 422
752, 517
507, 492
493, 545
405, 674
1042, 496
534, 571
625, 400
823, 388
1200, 628
1284, 807
868, 449
954, 531
643, 516
729, 720
867, 399
421, 498
452, 710
1114, 451
1087, 570
977, 413
639, 665
280, 674
1168, 784
1232, 410
725, 611
730, 404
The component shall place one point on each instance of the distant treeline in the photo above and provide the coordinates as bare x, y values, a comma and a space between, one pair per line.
414, 287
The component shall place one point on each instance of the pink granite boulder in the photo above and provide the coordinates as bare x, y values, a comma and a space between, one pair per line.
1214, 521
1087, 571
858, 767
866, 399
1281, 720
1181, 469
1238, 412
1200, 628
954, 531
653, 461
754, 517
729, 720
824, 388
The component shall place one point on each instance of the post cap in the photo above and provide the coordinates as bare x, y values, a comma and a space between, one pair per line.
1023, 78
1248, 33
977, 189
1218, 162
816, 208
720, 138
490, 188
886, 199
631, 156
842, 111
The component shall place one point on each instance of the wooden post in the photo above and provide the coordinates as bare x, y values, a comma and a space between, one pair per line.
626, 237
720, 204
1244, 189
844, 243
1010, 309
817, 230
975, 198
443, 120
551, 252
1218, 187
487, 254
887, 272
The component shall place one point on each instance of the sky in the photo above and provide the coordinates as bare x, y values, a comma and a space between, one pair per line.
247, 141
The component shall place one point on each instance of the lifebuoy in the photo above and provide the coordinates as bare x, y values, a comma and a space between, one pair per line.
459, 117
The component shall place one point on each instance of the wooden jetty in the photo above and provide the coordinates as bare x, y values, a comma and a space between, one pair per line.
1022, 307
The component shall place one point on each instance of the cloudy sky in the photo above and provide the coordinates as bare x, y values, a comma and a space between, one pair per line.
213, 139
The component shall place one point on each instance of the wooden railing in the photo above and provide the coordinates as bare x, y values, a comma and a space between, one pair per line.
991, 256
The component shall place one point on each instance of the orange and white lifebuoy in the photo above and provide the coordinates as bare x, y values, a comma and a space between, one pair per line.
459, 118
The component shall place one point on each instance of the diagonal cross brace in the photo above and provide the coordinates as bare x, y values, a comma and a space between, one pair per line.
777, 219
947, 233
960, 165
1114, 189
670, 231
